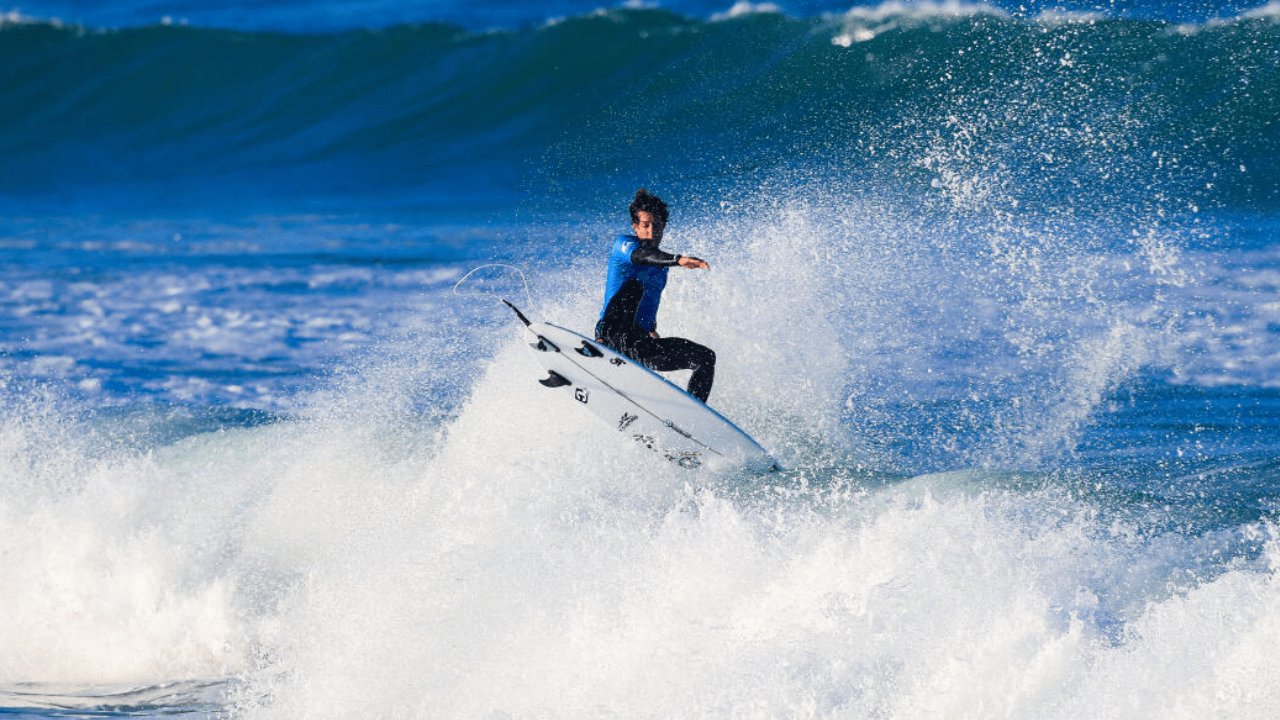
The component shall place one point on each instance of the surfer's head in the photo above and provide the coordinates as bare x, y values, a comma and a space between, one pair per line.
652, 204
648, 215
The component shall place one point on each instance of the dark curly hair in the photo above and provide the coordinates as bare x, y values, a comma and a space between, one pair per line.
645, 202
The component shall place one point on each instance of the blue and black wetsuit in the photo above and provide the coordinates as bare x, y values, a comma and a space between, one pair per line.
630, 257
630, 313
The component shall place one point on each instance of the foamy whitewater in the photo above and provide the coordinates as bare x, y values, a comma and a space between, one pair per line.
1000, 289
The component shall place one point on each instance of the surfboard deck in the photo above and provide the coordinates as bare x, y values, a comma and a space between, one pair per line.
641, 404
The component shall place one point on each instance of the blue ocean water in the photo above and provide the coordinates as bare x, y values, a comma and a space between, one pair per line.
999, 284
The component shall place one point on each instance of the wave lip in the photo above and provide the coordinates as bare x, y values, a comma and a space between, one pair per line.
15, 17
1270, 11
928, 9
743, 8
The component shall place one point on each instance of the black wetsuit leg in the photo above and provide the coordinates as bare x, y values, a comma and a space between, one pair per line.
676, 353
618, 330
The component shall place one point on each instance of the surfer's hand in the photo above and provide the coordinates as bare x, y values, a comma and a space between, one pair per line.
693, 263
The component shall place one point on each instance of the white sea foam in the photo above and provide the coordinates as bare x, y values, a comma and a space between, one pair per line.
743, 7
16, 17
522, 577
253, 323
922, 10
493, 551
1270, 11
107, 572
863, 24
1058, 16
343, 566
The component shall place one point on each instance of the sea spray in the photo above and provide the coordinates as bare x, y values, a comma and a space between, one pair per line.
999, 288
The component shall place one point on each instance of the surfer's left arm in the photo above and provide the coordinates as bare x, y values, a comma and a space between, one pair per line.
648, 255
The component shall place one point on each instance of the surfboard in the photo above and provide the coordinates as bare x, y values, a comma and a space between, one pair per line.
643, 406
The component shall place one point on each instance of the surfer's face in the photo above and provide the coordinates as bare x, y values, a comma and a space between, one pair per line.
648, 227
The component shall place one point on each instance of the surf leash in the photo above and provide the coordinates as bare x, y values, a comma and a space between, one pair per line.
493, 295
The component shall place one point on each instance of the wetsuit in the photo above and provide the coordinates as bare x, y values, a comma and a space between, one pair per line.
630, 257
619, 329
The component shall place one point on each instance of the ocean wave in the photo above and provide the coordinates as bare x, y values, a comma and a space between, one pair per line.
932, 96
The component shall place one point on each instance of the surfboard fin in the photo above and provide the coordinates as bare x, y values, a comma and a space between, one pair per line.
554, 380
544, 345
589, 350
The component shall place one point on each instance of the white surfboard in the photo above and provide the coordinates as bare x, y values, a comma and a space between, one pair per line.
641, 404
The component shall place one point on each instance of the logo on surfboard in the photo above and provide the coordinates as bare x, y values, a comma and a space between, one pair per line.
581, 395
677, 428
627, 419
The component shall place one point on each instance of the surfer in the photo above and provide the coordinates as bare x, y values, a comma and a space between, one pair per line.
637, 274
